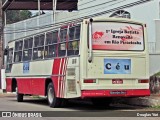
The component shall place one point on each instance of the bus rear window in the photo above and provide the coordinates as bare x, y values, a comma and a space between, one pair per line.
117, 36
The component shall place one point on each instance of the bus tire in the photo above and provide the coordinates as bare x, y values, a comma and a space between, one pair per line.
53, 101
19, 96
101, 102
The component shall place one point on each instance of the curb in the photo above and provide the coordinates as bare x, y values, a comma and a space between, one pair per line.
2, 91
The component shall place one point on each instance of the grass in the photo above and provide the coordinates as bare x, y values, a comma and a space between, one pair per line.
38, 97
156, 107
157, 74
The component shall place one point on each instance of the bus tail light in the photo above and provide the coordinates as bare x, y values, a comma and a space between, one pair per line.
89, 81
143, 81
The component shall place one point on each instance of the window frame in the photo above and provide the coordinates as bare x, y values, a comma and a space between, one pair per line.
18, 51
51, 44
9, 63
38, 47
46, 45
74, 52
29, 48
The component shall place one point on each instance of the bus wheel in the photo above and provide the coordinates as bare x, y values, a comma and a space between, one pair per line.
101, 102
19, 96
53, 101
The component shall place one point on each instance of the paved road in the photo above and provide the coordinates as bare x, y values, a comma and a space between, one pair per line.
8, 103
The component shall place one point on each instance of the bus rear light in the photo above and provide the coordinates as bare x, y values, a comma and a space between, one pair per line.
143, 81
89, 81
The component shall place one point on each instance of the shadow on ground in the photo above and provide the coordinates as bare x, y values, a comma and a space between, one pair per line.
79, 104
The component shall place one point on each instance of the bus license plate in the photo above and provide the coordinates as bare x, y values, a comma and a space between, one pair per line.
118, 92
117, 81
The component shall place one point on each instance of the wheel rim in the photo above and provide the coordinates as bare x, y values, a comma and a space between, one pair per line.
50, 95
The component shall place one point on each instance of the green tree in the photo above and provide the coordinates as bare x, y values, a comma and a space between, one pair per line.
17, 15
25, 14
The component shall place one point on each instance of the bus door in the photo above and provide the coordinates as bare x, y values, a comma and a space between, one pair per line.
72, 77
73, 67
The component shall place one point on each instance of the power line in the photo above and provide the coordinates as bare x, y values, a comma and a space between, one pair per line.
98, 4
79, 19
74, 15
35, 28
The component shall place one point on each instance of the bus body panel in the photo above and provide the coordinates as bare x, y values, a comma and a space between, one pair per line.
68, 73
100, 83
115, 93
64, 73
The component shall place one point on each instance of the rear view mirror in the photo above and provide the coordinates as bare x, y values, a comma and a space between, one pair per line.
6, 50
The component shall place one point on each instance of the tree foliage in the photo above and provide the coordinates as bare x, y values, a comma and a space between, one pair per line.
17, 15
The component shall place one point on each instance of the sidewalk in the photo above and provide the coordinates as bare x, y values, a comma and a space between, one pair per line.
153, 100
4, 94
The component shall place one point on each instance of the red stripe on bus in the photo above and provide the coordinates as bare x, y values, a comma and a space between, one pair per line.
55, 73
115, 93
9, 84
61, 77
56, 65
64, 77
66, 71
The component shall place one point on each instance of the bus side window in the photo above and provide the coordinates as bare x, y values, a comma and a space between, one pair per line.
73, 48
9, 60
18, 51
62, 43
27, 51
73, 44
10, 55
62, 49
77, 32
38, 50
51, 44
63, 35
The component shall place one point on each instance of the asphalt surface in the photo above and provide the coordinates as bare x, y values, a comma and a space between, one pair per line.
74, 109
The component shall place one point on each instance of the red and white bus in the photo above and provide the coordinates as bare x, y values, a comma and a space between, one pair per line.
97, 58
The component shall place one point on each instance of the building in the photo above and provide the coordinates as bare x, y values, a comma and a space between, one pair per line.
147, 11
1, 31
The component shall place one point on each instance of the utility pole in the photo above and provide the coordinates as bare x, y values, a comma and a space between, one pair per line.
1, 34
39, 7
54, 10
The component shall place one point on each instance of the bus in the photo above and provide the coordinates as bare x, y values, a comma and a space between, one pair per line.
97, 59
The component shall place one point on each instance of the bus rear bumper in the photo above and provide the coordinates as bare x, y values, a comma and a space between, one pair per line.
115, 93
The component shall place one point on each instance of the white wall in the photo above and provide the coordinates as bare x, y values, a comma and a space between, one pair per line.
154, 64
147, 13
157, 35
95, 6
